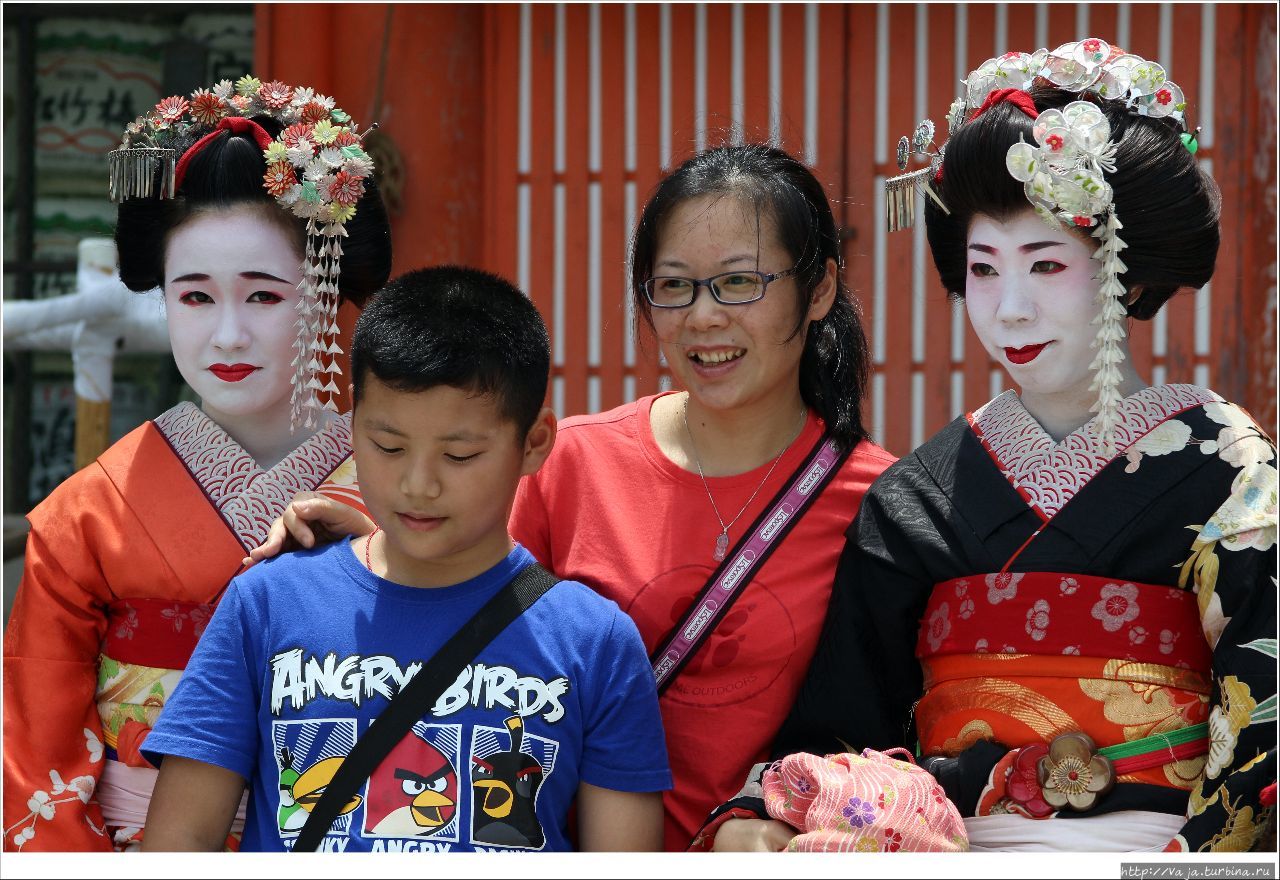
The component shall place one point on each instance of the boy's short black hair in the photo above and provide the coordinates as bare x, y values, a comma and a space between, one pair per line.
455, 326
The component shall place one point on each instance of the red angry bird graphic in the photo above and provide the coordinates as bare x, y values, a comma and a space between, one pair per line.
413, 793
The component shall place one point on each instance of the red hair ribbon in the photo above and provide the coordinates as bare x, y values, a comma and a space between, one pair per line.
1016, 97
234, 124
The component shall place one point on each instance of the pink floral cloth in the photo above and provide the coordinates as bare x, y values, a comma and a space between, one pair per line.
871, 802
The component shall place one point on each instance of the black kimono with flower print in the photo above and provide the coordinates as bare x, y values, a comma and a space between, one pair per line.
1189, 503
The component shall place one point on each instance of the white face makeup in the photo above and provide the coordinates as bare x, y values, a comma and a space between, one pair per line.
1031, 297
231, 288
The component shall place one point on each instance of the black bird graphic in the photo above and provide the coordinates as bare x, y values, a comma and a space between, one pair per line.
504, 788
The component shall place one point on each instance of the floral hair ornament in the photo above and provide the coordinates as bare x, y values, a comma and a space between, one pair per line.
1063, 173
316, 170
1062, 177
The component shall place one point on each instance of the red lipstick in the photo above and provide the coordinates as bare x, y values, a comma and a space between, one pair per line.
232, 372
1024, 355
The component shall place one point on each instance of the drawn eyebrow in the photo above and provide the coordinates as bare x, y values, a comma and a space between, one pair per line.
250, 276
1026, 248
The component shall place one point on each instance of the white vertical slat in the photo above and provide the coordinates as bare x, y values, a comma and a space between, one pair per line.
664, 382
959, 319
917, 409
700, 76
593, 394
558, 280
664, 86
1160, 333
1121, 38
959, 323
1166, 41
1082, 23
629, 79
918, 270
775, 74
524, 216
737, 99
1042, 28
524, 160
1159, 375
629, 387
593, 273
811, 84
557, 396
878, 276
1205, 119
1204, 297
633, 319
957, 393
1208, 58
997, 382
882, 87
881, 156
876, 429
1160, 324
918, 276
1000, 39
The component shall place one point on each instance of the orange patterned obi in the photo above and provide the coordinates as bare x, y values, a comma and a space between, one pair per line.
148, 643
1021, 658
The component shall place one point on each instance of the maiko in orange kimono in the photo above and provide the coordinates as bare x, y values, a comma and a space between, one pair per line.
124, 564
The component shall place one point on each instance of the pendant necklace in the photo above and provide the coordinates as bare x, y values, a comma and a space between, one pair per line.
722, 542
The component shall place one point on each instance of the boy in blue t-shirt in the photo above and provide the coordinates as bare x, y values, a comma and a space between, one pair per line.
450, 369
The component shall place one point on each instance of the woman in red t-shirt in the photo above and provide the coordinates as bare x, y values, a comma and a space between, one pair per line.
736, 266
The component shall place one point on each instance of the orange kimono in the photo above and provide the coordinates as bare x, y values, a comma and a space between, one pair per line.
124, 563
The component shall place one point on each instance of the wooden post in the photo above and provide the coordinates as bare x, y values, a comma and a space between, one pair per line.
93, 429
93, 414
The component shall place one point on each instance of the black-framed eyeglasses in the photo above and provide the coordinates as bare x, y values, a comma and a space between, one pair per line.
729, 288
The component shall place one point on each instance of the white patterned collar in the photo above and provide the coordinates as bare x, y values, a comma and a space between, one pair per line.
1048, 474
247, 496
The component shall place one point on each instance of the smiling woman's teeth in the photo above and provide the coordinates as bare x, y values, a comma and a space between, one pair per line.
716, 357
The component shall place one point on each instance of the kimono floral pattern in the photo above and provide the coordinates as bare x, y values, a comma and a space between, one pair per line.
43, 805
1245, 524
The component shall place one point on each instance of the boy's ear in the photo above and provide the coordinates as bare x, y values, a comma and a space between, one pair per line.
539, 441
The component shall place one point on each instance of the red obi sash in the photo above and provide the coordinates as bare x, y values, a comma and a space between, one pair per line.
160, 633
1047, 613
